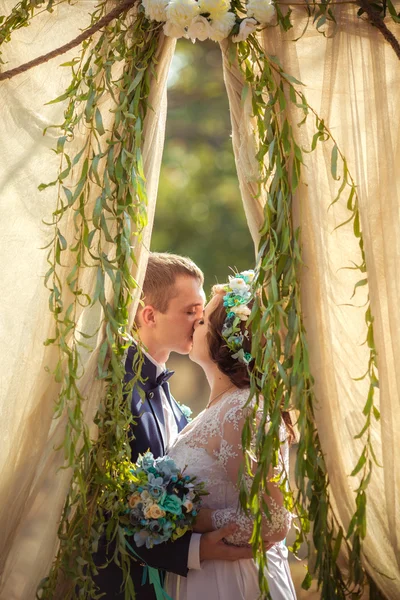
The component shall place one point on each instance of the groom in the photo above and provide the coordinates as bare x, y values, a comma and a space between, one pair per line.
173, 301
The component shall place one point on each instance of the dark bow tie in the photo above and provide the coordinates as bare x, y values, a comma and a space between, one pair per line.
164, 376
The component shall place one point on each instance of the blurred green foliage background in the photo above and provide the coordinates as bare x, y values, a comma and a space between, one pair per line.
199, 208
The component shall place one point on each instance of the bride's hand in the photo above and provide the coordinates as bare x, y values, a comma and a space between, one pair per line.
203, 523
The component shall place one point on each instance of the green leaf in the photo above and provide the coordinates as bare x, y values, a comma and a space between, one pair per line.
370, 399
245, 92
291, 78
307, 581
360, 283
338, 543
334, 157
64, 96
356, 225
43, 186
68, 195
63, 241
361, 462
138, 78
102, 357
376, 412
99, 122
392, 11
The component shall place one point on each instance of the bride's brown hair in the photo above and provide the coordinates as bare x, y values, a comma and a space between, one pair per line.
237, 371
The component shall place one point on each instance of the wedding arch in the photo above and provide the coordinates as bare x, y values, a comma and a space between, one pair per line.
313, 92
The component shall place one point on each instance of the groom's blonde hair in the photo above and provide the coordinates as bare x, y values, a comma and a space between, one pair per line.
162, 270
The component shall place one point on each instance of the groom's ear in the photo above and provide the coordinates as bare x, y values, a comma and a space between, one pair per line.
148, 316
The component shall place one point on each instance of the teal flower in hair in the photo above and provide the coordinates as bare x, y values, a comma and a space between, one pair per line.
237, 297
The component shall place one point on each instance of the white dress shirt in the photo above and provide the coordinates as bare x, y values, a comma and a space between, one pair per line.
171, 433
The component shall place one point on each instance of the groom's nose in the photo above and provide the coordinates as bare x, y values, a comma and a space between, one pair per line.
196, 322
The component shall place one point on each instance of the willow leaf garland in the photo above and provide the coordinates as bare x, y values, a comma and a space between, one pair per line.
282, 364
103, 242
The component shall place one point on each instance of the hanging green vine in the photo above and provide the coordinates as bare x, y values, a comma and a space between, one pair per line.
103, 242
282, 364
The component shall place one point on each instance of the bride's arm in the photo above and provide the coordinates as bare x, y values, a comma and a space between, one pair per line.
230, 456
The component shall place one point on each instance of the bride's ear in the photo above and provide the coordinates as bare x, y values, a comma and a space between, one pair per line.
148, 316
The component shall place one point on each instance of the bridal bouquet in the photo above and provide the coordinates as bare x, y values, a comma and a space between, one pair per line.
162, 502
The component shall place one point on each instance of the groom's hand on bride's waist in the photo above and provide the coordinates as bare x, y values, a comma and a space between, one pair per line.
213, 547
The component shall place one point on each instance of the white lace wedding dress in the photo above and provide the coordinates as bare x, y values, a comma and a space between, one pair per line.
211, 448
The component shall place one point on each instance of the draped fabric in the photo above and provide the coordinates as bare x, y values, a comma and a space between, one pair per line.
32, 488
352, 80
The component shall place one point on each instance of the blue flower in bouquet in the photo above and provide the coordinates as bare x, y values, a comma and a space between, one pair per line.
141, 537
136, 514
157, 492
154, 480
155, 526
168, 528
147, 461
166, 467
172, 504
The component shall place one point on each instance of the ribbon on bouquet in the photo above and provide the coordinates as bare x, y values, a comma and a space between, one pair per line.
154, 578
153, 574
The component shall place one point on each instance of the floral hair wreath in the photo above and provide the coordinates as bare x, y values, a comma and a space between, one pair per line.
237, 297
213, 19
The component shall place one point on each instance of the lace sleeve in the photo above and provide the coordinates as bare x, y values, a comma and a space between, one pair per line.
230, 456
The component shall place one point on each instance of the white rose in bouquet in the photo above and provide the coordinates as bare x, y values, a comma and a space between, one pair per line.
199, 29
262, 10
247, 26
155, 9
221, 28
181, 12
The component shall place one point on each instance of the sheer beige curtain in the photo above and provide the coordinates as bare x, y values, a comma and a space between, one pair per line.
353, 81
32, 488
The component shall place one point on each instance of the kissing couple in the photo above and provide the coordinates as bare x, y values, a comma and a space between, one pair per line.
214, 561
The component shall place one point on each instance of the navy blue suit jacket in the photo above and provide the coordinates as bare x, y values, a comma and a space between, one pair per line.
148, 433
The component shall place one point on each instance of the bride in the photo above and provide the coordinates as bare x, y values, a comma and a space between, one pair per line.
211, 446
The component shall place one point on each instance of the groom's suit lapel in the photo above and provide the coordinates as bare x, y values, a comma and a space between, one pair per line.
150, 401
153, 396
146, 407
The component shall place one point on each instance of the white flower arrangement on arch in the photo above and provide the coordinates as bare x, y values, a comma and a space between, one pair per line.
209, 19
